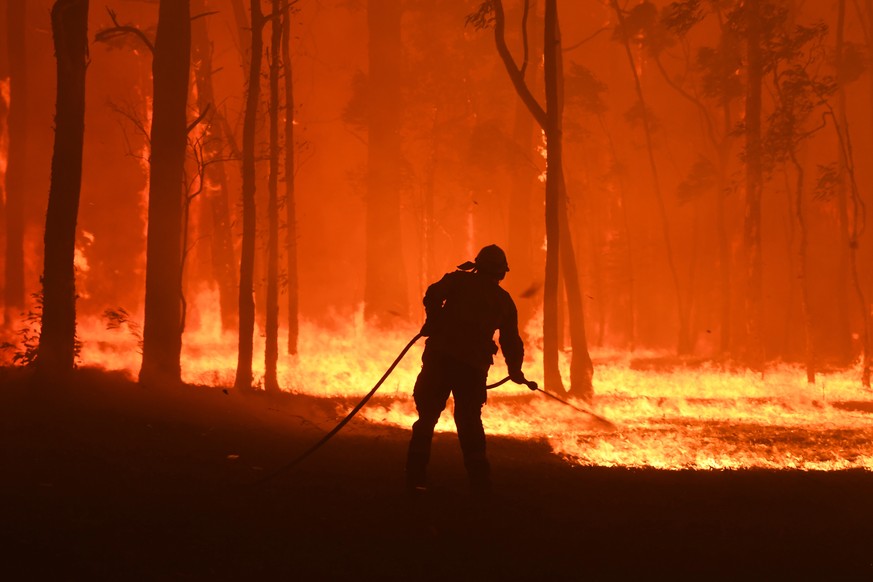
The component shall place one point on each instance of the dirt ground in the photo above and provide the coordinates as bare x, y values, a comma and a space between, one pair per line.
105, 480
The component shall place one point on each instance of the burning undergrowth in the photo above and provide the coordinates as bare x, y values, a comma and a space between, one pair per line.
681, 417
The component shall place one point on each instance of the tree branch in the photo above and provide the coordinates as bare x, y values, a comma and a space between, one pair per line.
122, 30
200, 118
516, 75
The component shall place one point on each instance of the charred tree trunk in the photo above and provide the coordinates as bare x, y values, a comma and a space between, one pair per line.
57, 339
162, 329
385, 296
245, 355
754, 189
271, 356
216, 198
16, 169
290, 194
684, 341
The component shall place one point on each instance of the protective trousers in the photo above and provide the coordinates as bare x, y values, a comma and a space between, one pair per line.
440, 376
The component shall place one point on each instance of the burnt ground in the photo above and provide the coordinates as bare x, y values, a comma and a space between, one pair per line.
103, 479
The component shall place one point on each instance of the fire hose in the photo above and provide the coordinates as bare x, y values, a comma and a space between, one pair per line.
530, 384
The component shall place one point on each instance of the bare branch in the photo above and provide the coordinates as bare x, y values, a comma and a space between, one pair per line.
203, 15
200, 118
119, 30
524, 38
586, 39
516, 75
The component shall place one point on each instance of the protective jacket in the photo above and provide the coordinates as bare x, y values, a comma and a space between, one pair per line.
464, 309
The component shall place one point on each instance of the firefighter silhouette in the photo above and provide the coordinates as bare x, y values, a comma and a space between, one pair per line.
463, 310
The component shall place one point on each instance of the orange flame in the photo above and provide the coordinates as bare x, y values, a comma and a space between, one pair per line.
686, 418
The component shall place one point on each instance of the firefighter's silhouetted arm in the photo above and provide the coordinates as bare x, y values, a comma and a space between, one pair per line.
511, 344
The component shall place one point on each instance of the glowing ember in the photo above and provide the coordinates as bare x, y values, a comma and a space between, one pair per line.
685, 418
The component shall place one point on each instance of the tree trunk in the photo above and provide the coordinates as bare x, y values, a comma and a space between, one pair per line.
16, 168
800, 213
247, 257
162, 329
290, 194
754, 188
554, 163
215, 198
385, 296
56, 355
684, 341
581, 368
271, 356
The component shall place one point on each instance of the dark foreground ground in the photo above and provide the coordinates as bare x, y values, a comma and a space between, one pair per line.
105, 480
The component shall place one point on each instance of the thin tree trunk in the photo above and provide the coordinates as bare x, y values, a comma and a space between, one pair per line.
385, 293
581, 368
290, 193
245, 354
754, 189
56, 355
684, 341
271, 357
162, 329
215, 198
16, 168
800, 213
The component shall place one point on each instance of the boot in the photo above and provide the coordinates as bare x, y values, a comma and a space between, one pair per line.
416, 473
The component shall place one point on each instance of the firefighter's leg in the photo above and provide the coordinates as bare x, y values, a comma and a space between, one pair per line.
470, 396
431, 393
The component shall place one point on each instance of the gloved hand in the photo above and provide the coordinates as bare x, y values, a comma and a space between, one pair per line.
517, 376
427, 328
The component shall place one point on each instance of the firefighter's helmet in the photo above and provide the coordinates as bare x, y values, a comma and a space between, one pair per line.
492, 259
